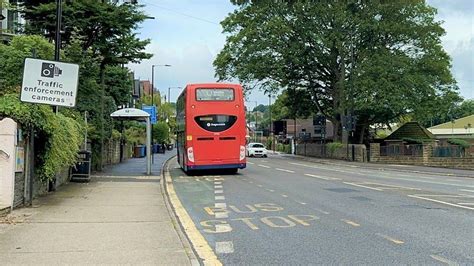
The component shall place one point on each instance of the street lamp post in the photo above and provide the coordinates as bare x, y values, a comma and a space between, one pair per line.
153, 98
169, 88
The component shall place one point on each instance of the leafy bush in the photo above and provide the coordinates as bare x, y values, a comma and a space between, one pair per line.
459, 142
333, 147
60, 134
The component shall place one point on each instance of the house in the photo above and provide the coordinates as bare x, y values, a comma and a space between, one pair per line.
10, 21
461, 128
307, 127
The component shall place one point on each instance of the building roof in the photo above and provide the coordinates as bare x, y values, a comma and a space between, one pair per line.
461, 123
410, 130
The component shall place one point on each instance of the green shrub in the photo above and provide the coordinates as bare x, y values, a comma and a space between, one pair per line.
459, 142
333, 147
60, 134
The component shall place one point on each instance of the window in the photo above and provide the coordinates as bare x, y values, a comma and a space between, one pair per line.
258, 145
214, 94
215, 123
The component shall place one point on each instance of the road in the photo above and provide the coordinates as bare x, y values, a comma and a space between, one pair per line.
287, 211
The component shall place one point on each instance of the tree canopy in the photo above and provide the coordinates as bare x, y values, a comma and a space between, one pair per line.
377, 60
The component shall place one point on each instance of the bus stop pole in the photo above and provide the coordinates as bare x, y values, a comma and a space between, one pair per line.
148, 146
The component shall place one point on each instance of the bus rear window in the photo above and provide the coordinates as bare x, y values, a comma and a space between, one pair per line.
214, 94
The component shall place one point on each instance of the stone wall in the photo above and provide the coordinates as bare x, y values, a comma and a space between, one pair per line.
426, 159
321, 151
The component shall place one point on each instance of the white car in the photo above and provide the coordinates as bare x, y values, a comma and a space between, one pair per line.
256, 149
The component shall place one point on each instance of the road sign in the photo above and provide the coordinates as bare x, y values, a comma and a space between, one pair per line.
152, 111
49, 82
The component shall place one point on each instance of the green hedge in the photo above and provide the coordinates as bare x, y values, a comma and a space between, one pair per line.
459, 142
60, 134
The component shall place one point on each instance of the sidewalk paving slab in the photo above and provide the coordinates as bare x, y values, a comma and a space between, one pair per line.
119, 217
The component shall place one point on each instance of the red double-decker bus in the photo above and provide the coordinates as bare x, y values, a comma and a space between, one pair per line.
211, 127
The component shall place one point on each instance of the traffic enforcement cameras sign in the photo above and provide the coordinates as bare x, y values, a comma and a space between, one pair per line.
49, 82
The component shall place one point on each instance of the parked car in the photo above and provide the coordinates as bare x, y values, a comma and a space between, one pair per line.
256, 149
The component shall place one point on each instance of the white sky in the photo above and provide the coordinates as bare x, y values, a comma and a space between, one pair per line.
187, 35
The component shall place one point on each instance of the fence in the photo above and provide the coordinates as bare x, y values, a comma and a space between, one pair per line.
401, 150
353, 152
449, 151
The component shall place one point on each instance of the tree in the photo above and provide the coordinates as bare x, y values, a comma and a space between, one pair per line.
377, 60
104, 33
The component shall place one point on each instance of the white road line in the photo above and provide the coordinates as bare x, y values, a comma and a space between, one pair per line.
442, 202
284, 170
350, 222
264, 166
250, 163
395, 186
284, 196
222, 228
218, 186
217, 182
321, 211
220, 205
271, 190
466, 190
447, 196
391, 239
443, 260
219, 198
359, 185
263, 161
259, 186
224, 247
218, 191
221, 215
302, 203
466, 203
321, 177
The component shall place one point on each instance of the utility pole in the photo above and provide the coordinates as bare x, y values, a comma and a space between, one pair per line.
153, 100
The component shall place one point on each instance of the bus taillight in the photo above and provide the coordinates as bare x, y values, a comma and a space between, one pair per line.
191, 154
242, 153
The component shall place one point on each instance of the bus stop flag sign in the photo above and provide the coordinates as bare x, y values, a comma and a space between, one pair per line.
49, 82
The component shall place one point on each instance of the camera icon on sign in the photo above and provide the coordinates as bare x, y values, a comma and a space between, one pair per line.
49, 70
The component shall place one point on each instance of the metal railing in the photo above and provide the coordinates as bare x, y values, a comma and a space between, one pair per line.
402, 150
449, 151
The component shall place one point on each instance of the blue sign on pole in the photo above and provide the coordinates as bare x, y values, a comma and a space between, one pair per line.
152, 111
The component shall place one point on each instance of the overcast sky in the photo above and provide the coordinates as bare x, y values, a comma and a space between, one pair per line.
187, 35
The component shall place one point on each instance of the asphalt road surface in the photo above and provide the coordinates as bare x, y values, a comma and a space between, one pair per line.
286, 211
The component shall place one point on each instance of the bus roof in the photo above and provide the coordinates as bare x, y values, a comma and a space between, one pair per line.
216, 84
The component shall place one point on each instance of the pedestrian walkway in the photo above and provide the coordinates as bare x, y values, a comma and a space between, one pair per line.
119, 217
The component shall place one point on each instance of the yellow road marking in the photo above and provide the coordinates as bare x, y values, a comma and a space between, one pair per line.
359, 185
268, 221
200, 244
391, 239
303, 219
442, 202
443, 260
350, 222
247, 222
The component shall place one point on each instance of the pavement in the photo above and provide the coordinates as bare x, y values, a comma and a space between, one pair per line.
119, 217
